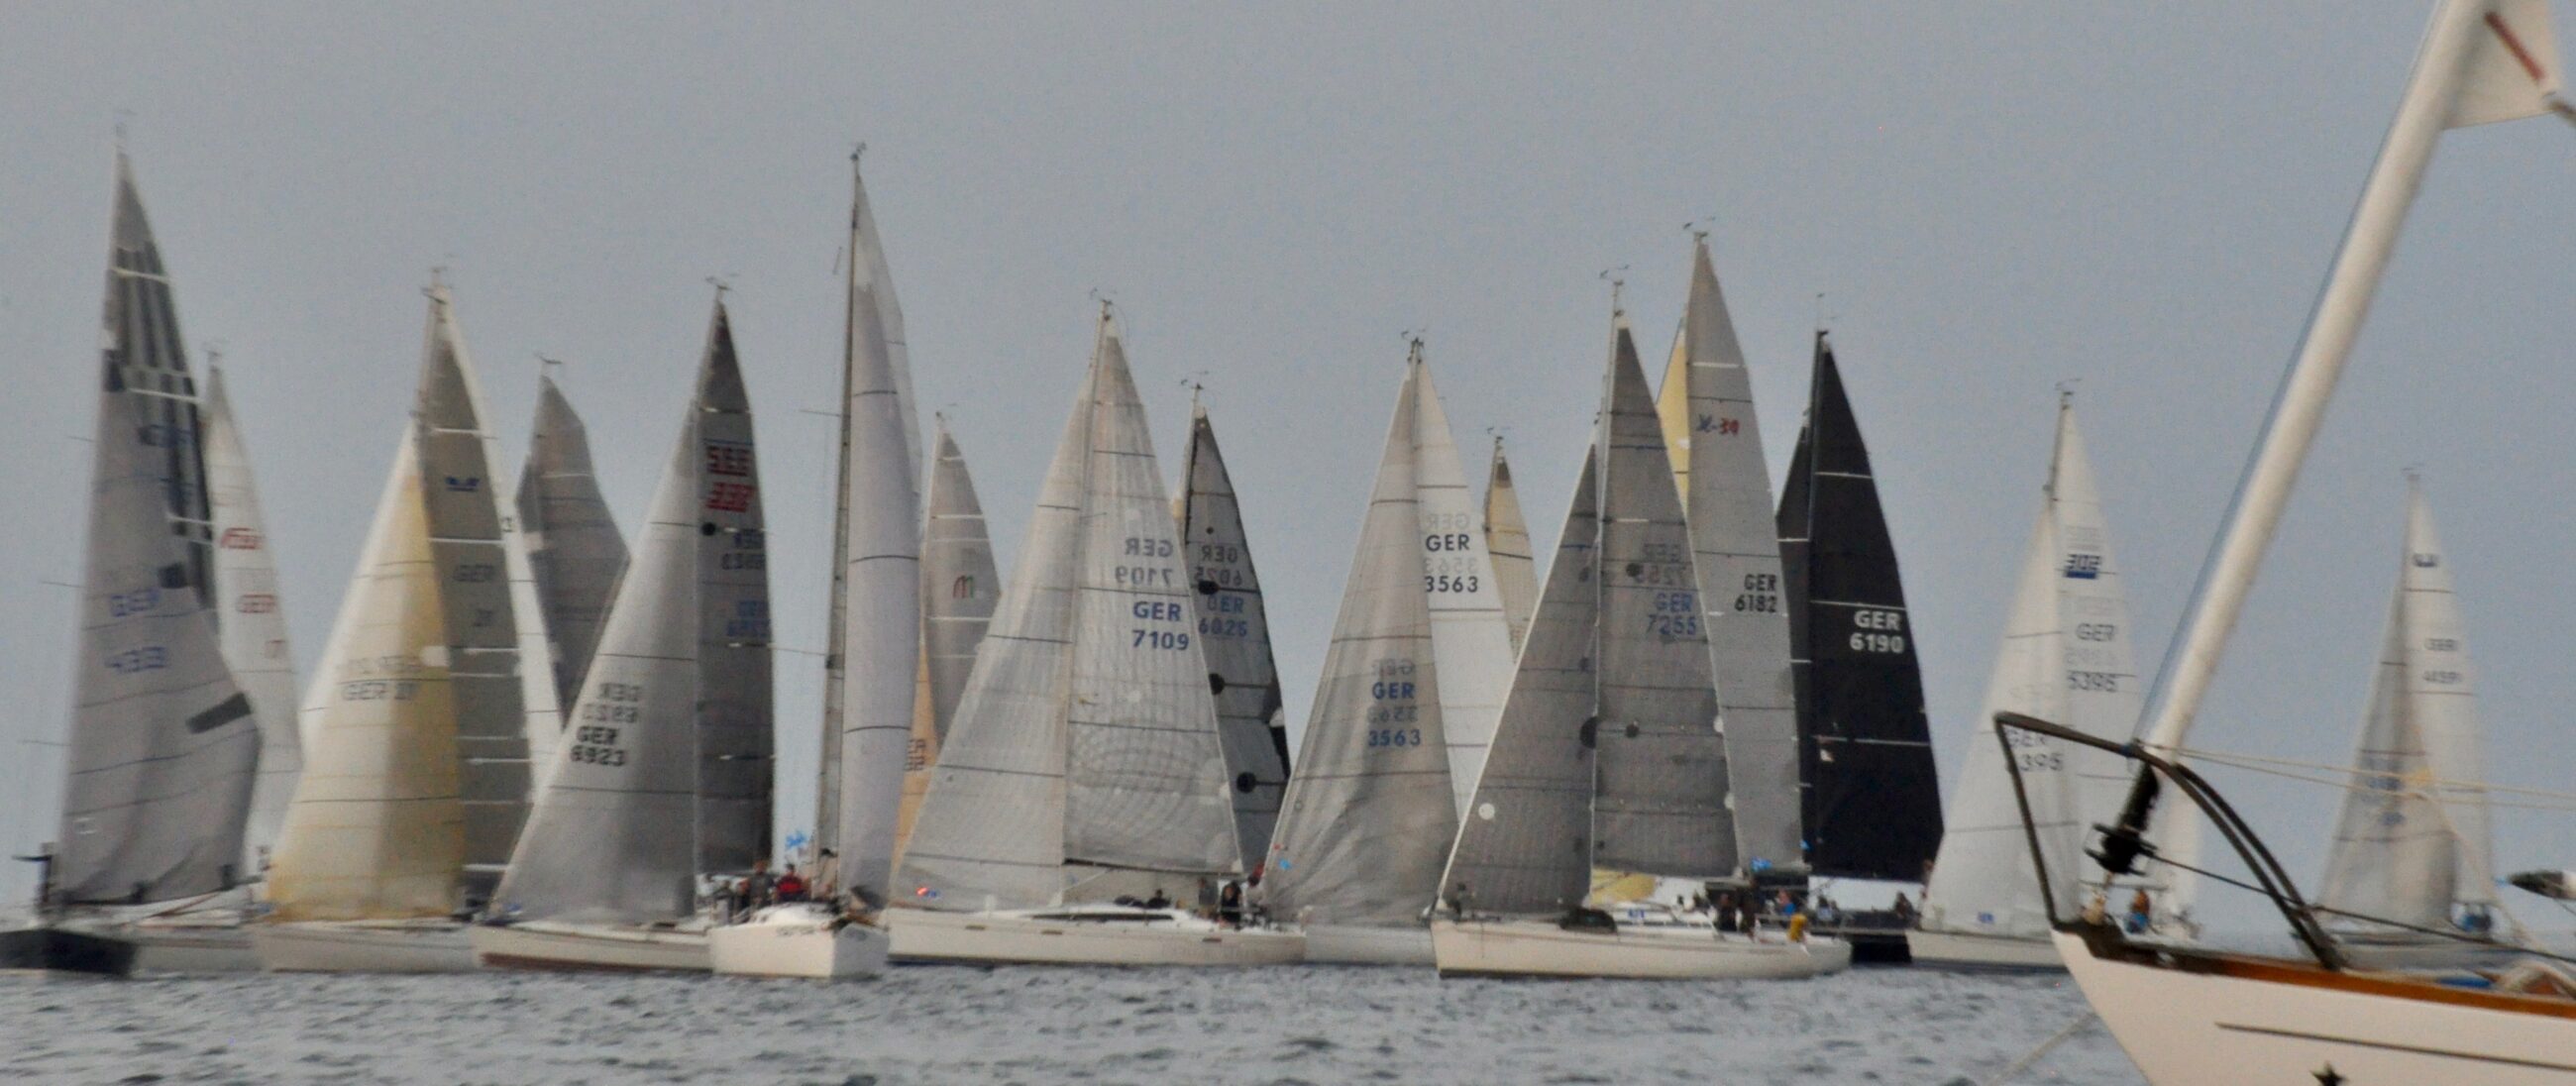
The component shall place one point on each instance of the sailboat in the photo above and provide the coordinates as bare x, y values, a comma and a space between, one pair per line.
574, 550
666, 778
421, 717
959, 587
1609, 753
1872, 797
874, 674
1234, 634
1085, 763
164, 746
1705, 411
1507, 539
1406, 708
2065, 656
2195, 1015
2411, 853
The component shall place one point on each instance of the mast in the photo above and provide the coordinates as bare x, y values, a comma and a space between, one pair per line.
2502, 53
827, 790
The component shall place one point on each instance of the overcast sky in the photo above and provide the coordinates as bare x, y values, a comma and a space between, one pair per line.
1991, 199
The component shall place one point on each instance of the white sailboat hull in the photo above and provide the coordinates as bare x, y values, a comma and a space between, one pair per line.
1539, 948
613, 948
363, 946
190, 948
798, 941
2257, 1020
1040, 938
1352, 944
1969, 951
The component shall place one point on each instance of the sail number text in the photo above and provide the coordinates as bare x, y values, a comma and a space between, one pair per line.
1878, 630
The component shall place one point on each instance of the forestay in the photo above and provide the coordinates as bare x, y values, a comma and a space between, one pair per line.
2412, 841
253, 622
574, 550
1234, 635
1419, 651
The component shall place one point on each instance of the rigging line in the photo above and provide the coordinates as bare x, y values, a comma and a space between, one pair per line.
2248, 762
2316, 907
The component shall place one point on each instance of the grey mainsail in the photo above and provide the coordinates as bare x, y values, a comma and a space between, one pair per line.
1419, 647
253, 623
1507, 537
145, 355
665, 775
1735, 549
1087, 734
573, 546
1234, 633
959, 584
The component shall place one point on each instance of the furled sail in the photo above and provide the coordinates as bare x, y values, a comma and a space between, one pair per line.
1419, 649
869, 287
2412, 843
253, 622
573, 546
163, 745
665, 775
1507, 539
1087, 734
1725, 484
1873, 800
1234, 634
2065, 657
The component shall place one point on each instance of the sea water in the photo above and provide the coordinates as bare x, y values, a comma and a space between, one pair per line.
1032, 1025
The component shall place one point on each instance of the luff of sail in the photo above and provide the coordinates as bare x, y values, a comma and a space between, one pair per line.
881, 635
574, 550
163, 747
2411, 844
1872, 800
1076, 740
1725, 483
1234, 635
253, 630
376, 830
1419, 645
1507, 539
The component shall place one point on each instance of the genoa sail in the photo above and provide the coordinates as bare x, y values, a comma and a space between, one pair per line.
574, 550
1234, 634
253, 624
2411, 845
1507, 539
1872, 795
959, 587
1418, 649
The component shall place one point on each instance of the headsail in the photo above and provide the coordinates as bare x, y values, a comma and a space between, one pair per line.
959, 588
1725, 483
574, 550
1234, 634
253, 622
1507, 538
1419, 647
1873, 801
736, 732
2412, 843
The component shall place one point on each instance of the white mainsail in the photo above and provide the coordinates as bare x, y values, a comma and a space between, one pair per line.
574, 550
1507, 538
2412, 844
253, 622
868, 294
2065, 657
959, 587
1419, 652
881, 613
1716, 442
665, 772
1234, 635
1087, 734
1609, 753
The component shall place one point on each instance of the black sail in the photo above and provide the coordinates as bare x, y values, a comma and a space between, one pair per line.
142, 354
1872, 797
